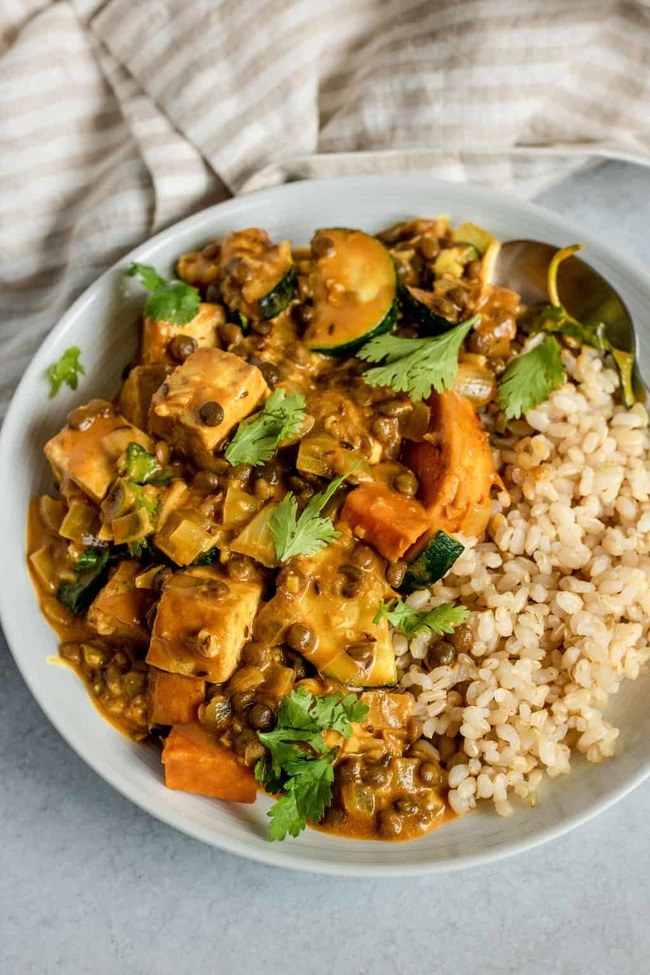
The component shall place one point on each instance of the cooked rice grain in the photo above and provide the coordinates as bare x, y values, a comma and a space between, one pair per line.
560, 598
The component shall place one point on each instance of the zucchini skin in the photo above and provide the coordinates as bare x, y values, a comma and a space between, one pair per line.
385, 325
433, 562
427, 321
280, 297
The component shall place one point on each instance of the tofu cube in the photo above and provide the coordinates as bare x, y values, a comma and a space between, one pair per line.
119, 611
156, 335
206, 376
139, 386
203, 620
174, 699
87, 454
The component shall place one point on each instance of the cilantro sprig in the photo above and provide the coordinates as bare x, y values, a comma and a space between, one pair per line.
531, 378
168, 301
258, 437
554, 318
440, 620
416, 366
299, 765
307, 533
66, 370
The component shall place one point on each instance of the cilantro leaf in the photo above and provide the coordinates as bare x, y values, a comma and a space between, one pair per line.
141, 467
168, 301
91, 558
66, 370
330, 711
416, 366
91, 568
299, 765
305, 534
530, 379
258, 437
285, 817
440, 620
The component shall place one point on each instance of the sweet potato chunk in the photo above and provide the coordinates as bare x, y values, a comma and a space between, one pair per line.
454, 466
119, 610
386, 519
195, 762
206, 376
136, 393
156, 335
202, 622
87, 455
174, 699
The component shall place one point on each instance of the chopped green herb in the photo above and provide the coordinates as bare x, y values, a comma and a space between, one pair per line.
91, 566
531, 378
207, 558
91, 558
137, 548
440, 620
307, 533
66, 370
258, 437
299, 765
555, 318
168, 301
416, 366
141, 467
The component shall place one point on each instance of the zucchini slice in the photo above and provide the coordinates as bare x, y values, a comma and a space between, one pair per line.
259, 277
415, 307
433, 562
354, 286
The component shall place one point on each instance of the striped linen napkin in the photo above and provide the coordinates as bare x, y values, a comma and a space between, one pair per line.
119, 117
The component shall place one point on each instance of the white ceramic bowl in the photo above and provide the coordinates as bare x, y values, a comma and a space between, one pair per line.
103, 323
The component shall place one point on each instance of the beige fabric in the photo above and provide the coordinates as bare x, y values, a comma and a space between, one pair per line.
118, 118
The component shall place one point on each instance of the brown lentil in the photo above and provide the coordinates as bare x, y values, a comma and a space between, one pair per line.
395, 573
302, 638
406, 483
211, 413
182, 346
261, 717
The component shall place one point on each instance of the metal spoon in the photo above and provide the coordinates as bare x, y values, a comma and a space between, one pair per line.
523, 265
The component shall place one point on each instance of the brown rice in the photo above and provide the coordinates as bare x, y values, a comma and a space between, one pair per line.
560, 596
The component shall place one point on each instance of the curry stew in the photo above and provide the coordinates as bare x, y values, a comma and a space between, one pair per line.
158, 562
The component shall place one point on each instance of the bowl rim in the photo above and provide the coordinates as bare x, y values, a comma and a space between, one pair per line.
273, 854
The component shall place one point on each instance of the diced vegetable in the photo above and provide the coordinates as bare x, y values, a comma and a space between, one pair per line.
454, 466
119, 611
184, 535
81, 523
203, 399
416, 305
453, 260
354, 285
174, 699
202, 622
433, 562
160, 338
239, 506
256, 539
387, 710
475, 381
195, 762
384, 518
323, 455
258, 276
87, 455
